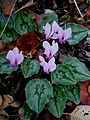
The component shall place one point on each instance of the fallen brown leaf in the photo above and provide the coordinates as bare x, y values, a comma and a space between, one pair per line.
7, 5
28, 43
5, 101
81, 112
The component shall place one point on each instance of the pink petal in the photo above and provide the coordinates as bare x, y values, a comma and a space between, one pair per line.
44, 64
46, 46
51, 64
19, 58
16, 51
47, 29
57, 31
67, 33
54, 48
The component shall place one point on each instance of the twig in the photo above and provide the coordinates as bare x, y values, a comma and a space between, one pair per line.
25, 6
78, 8
8, 19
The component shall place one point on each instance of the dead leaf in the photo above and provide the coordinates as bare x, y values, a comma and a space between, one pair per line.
28, 43
6, 100
2, 45
7, 5
81, 112
3, 115
0, 99
15, 104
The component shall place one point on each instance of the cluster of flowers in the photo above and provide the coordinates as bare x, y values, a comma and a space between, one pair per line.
54, 32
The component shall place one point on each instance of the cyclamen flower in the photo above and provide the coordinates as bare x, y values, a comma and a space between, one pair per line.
15, 57
50, 50
49, 66
54, 31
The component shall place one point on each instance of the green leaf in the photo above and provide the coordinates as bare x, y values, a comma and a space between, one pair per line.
47, 19
79, 69
70, 72
23, 22
5, 65
38, 93
58, 103
9, 33
73, 93
78, 33
63, 75
27, 112
30, 67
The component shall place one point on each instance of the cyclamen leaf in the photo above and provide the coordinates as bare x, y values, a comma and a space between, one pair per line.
30, 67
73, 93
23, 22
27, 112
9, 33
38, 93
79, 69
63, 75
47, 19
70, 72
78, 33
5, 65
58, 103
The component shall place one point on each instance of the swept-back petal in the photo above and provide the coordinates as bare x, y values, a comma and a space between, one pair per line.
46, 46
67, 33
20, 58
51, 64
47, 29
54, 48
10, 57
57, 31
44, 64
16, 51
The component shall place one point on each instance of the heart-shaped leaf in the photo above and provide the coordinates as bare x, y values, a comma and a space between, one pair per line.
38, 93
9, 34
63, 75
70, 72
23, 22
79, 69
30, 67
58, 103
73, 93
78, 33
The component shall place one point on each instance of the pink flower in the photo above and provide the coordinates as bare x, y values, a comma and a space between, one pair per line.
15, 57
50, 50
49, 66
54, 31
85, 93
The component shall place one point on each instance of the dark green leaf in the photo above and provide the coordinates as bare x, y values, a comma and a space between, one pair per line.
23, 22
47, 19
70, 72
38, 93
27, 112
79, 69
58, 103
73, 93
63, 75
5, 65
78, 33
30, 67
9, 33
